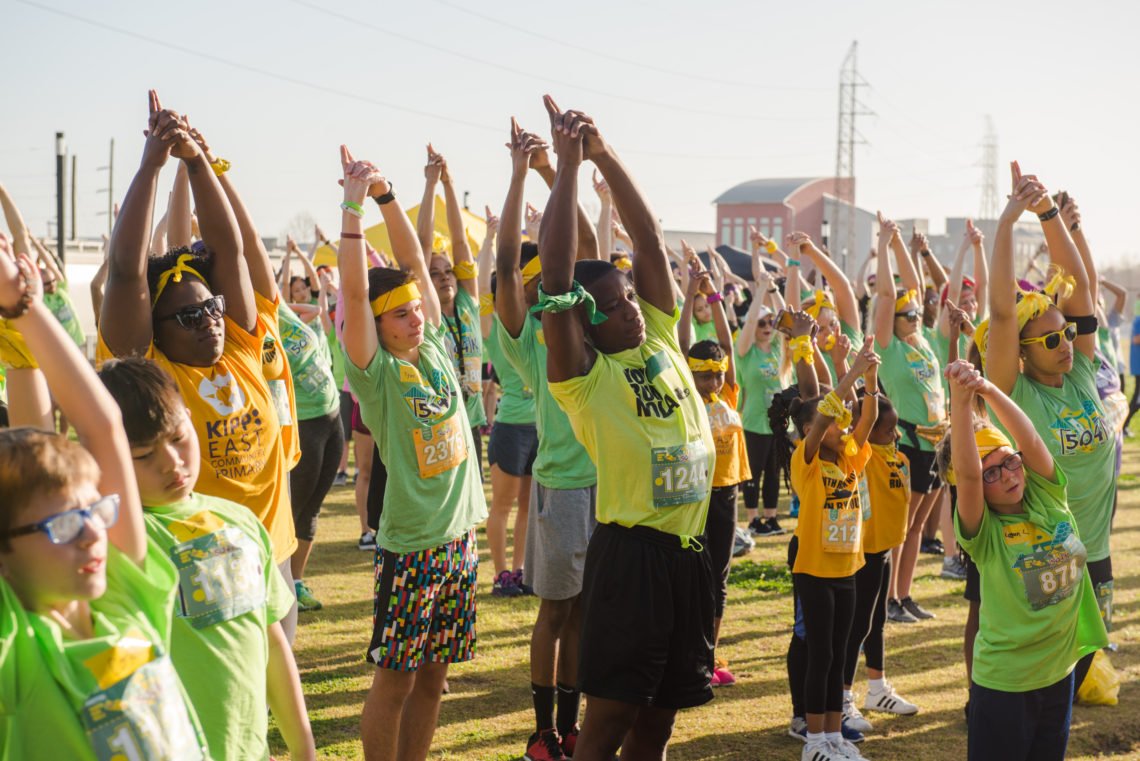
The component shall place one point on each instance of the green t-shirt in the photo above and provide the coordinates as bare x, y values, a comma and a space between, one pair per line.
638, 414
1107, 347
337, 358
758, 374
61, 305
1040, 613
1072, 423
113, 696
421, 429
911, 377
310, 363
229, 592
856, 337
562, 462
464, 341
941, 346
516, 403
703, 331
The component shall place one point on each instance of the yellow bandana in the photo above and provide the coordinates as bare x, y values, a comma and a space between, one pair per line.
902, 301
802, 348
175, 273
532, 270
708, 365
396, 297
987, 440
833, 407
623, 263
820, 301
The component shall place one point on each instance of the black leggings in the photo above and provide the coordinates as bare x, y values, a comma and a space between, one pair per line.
376, 487
763, 463
828, 606
322, 443
1133, 406
872, 583
720, 528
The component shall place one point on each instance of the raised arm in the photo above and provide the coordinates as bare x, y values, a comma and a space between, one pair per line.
651, 273
16, 226
486, 266
589, 246
846, 306
605, 230
1071, 216
822, 421
963, 447
884, 318
178, 233
461, 257
801, 347
510, 300
699, 283
99, 281
930, 262
981, 270
45, 256
1119, 294
954, 290
425, 218
861, 279
1002, 363
870, 409
746, 336
81, 397
568, 354
909, 274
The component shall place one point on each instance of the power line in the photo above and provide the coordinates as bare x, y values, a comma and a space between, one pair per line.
619, 59
355, 21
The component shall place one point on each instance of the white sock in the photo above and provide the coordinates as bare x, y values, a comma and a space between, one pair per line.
875, 685
833, 737
815, 737
848, 696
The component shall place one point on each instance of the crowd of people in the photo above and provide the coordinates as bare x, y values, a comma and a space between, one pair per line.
158, 509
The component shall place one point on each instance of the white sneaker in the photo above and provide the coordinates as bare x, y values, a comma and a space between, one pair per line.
855, 720
798, 728
821, 750
887, 700
846, 749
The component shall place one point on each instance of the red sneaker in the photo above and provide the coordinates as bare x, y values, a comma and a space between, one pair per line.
722, 678
569, 740
544, 746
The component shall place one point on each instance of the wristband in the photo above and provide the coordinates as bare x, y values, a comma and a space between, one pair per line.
220, 166
771, 247
714, 298
388, 197
1076, 226
924, 252
464, 271
1049, 214
353, 208
773, 289
793, 262
1086, 325
350, 236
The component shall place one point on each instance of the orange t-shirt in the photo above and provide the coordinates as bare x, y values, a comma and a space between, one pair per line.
275, 366
239, 435
831, 516
728, 435
887, 480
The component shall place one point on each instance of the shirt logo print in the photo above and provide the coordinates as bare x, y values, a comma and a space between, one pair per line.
222, 393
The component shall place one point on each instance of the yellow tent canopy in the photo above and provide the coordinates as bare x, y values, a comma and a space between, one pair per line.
377, 235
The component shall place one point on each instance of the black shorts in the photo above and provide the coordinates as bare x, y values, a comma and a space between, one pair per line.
513, 447
346, 414
647, 619
923, 476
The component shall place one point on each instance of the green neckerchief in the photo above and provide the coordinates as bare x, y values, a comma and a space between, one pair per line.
566, 301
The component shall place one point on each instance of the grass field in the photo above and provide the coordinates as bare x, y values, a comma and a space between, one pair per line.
488, 713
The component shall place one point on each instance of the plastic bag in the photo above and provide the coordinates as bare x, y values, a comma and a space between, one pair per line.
1101, 685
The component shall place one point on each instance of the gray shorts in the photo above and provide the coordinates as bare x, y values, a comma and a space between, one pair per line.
557, 534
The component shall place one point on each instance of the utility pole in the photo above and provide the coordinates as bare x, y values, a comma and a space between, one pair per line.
848, 136
60, 152
73, 215
989, 205
110, 189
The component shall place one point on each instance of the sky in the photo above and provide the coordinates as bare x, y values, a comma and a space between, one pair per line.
695, 97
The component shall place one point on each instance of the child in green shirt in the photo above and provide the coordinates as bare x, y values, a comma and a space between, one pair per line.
227, 642
84, 604
1040, 615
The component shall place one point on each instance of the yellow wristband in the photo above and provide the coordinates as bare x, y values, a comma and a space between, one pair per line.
464, 271
486, 303
802, 349
220, 166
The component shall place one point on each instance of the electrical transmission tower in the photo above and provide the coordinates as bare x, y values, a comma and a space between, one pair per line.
849, 107
990, 203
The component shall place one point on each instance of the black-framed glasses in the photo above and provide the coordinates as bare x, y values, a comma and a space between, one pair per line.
191, 317
65, 527
910, 315
1012, 463
1053, 340
767, 322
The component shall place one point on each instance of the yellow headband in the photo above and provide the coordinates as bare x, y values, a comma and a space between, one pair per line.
1031, 305
623, 263
820, 301
708, 365
987, 439
532, 270
175, 273
905, 299
396, 297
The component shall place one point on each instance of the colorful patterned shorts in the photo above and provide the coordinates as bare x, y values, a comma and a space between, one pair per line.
424, 606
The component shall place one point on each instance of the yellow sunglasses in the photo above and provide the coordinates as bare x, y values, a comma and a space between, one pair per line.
1053, 340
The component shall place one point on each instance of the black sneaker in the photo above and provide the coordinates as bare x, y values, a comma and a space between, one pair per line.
770, 527
913, 608
756, 526
932, 547
898, 614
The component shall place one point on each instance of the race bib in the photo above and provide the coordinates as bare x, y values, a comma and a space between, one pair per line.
280, 394
439, 448
680, 474
841, 530
1052, 574
142, 717
865, 497
220, 577
472, 376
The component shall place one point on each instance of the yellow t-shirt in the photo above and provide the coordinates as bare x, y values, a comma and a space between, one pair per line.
641, 420
728, 434
888, 489
239, 435
831, 515
275, 366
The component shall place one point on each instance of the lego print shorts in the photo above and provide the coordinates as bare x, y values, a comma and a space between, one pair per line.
424, 606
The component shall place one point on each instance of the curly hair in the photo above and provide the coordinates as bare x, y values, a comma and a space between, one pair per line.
707, 350
203, 263
787, 406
